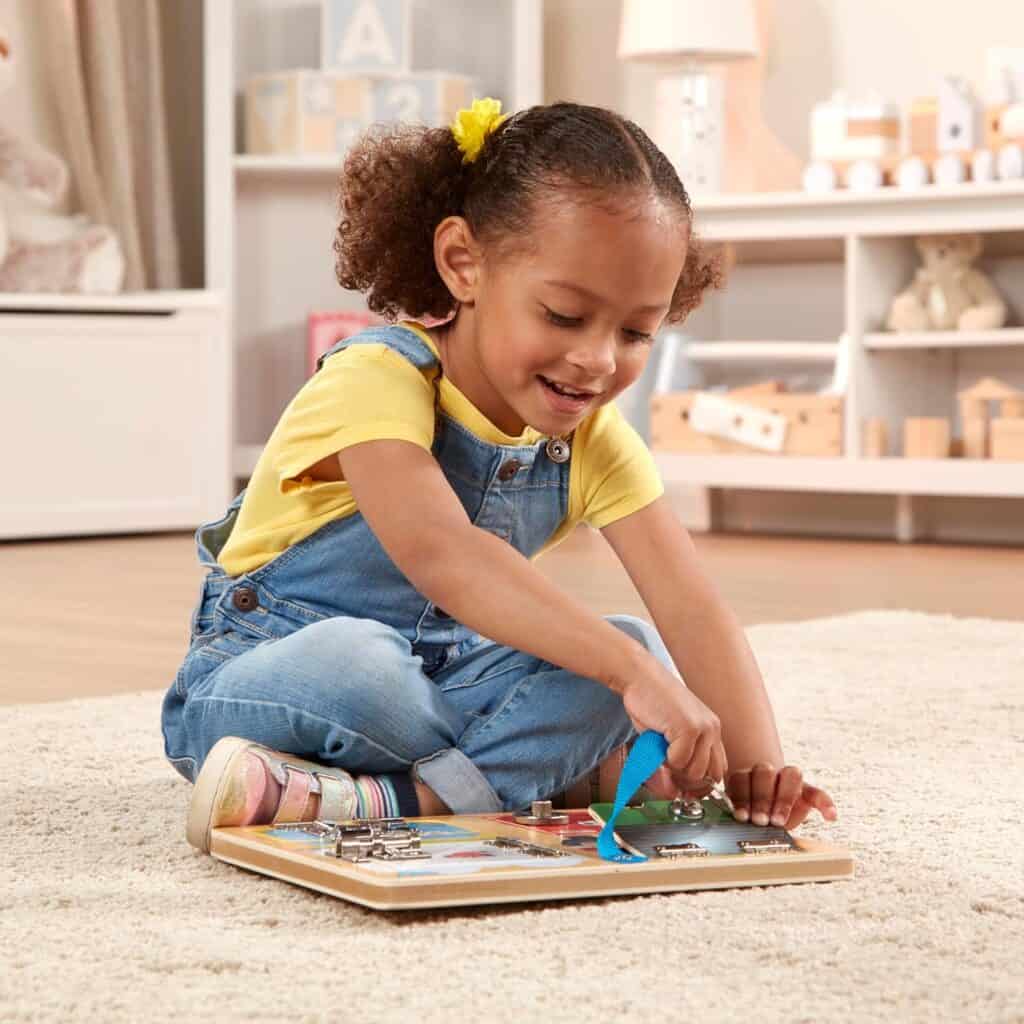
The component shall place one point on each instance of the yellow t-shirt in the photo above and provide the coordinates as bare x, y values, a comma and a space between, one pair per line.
368, 392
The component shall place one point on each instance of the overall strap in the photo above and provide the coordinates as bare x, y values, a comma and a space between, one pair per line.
404, 341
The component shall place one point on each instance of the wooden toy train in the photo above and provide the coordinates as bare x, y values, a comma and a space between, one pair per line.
949, 139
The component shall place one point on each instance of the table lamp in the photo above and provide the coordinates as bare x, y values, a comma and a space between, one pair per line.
683, 37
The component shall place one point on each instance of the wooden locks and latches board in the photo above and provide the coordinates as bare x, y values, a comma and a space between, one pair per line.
456, 860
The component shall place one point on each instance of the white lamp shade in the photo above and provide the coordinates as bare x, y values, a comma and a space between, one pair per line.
665, 31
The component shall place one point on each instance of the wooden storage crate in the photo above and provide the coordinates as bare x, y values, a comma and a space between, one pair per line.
814, 424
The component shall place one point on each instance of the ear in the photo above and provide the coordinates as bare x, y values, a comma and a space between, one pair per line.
458, 258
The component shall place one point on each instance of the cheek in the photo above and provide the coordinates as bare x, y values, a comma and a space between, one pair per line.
631, 364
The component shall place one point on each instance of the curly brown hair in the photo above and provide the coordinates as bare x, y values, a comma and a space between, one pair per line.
400, 181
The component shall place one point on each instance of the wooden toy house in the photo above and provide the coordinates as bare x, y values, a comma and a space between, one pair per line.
985, 436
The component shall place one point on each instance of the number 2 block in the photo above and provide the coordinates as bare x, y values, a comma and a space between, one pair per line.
422, 97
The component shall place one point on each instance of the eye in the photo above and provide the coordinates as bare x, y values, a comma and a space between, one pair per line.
562, 321
639, 336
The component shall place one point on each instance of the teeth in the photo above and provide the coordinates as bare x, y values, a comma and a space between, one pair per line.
565, 391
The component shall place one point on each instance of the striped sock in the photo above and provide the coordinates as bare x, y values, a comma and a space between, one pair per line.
386, 796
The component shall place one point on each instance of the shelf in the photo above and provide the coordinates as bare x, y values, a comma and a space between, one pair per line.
967, 477
249, 166
125, 302
761, 351
944, 339
794, 216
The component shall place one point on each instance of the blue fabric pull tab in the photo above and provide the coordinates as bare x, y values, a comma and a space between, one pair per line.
646, 757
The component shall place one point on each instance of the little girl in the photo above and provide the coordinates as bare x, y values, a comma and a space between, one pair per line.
372, 638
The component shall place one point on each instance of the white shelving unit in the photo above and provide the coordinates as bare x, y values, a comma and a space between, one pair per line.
891, 376
271, 220
876, 341
762, 351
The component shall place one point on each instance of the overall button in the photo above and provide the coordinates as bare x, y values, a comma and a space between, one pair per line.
509, 469
245, 599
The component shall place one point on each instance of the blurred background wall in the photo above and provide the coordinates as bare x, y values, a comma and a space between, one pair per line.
897, 50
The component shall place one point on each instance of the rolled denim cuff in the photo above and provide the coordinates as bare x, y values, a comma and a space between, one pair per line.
458, 782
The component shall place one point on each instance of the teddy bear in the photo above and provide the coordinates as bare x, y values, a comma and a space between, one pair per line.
947, 292
41, 250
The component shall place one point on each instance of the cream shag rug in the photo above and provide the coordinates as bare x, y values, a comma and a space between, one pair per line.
913, 722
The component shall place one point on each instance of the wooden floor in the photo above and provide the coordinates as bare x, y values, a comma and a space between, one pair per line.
82, 618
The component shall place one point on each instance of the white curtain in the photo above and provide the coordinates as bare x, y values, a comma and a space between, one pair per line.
106, 64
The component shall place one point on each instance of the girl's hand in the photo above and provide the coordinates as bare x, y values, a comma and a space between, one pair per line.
656, 699
766, 795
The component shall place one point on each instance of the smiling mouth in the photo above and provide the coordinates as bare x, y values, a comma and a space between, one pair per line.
566, 391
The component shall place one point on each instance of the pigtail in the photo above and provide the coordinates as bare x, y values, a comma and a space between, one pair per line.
397, 184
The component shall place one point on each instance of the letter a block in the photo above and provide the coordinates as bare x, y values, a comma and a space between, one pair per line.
371, 37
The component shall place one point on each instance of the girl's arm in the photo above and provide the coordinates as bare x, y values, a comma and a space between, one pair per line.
489, 586
702, 634
476, 577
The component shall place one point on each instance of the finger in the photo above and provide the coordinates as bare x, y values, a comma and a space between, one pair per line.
811, 799
662, 785
762, 792
787, 792
739, 793
797, 815
697, 768
718, 764
678, 757
821, 802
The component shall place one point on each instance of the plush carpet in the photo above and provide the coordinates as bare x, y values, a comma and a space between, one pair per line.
914, 723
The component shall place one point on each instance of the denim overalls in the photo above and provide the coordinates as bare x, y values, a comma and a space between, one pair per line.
328, 652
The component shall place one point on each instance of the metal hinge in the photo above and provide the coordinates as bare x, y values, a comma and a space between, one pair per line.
765, 846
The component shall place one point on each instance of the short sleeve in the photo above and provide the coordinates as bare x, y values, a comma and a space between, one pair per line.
362, 393
618, 475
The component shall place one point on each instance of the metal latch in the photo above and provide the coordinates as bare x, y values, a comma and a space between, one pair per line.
362, 839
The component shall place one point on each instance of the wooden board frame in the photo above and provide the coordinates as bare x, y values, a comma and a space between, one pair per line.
254, 849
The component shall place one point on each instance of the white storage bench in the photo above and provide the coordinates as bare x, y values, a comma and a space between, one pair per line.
115, 413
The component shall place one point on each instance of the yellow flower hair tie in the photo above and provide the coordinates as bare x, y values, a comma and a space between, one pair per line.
472, 126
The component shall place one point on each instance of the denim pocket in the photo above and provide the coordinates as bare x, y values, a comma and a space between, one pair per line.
226, 644
201, 625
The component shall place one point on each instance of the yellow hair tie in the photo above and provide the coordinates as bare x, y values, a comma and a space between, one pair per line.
472, 126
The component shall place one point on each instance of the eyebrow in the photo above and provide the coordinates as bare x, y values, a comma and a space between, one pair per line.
586, 293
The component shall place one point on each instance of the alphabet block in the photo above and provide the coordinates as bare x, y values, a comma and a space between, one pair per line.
305, 112
926, 438
1008, 438
424, 97
365, 36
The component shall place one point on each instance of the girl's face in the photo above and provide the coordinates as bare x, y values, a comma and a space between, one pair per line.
567, 325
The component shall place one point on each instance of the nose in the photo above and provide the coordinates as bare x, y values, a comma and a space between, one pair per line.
594, 356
